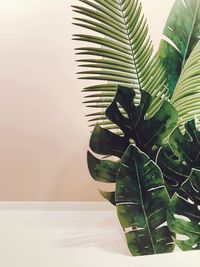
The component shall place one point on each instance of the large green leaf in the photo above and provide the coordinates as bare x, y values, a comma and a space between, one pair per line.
181, 34
148, 134
121, 53
102, 170
184, 154
186, 96
142, 202
184, 213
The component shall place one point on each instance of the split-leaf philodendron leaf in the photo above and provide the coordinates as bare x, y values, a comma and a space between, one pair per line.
181, 34
176, 165
142, 202
184, 213
147, 134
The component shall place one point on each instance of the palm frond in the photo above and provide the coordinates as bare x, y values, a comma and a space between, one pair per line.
121, 53
186, 97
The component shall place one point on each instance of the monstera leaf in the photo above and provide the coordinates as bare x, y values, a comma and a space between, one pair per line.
142, 202
103, 171
184, 155
147, 134
184, 213
118, 50
181, 34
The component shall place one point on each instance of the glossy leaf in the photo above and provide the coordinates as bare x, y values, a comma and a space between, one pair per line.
147, 134
142, 202
105, 142
102, 170
176, 163
184, 213
181, 34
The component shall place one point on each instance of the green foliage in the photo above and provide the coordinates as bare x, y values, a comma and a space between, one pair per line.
182, 33
184, 213
120, 52
149, 146
103, 171
141, 196
147, 133
184, 154
186, 95
142, 201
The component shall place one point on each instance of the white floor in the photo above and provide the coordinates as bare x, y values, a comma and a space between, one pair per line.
72, 238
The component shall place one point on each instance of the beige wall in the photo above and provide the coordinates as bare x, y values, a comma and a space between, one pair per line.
43, 133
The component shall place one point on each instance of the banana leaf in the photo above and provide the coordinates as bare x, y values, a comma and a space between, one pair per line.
142, 202
181, 34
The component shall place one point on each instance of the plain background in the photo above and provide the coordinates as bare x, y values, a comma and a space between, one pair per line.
43, 132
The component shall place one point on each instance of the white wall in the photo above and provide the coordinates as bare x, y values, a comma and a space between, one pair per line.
43, 132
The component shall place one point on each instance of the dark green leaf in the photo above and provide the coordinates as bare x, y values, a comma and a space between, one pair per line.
148, 134
142, 202
184, 155
182, 32
104, 142
184, 213
110, 196
102, 170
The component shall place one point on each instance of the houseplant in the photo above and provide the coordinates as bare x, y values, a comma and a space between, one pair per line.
146, 119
